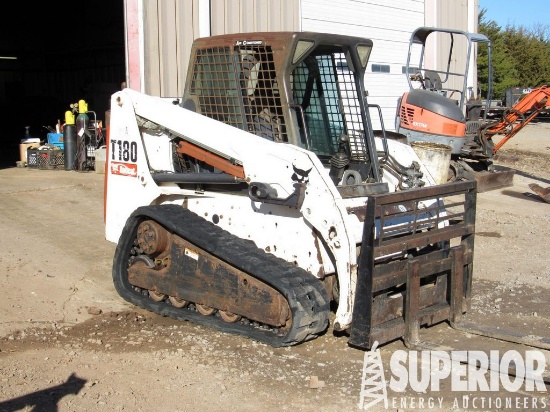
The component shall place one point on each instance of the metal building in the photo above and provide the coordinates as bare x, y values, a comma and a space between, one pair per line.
160, 32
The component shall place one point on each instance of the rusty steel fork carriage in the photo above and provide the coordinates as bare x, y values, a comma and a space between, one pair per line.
394, 300
433, 282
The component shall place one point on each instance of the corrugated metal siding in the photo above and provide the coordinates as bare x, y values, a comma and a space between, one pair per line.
240, 16
455, 17
389, 23
170, 26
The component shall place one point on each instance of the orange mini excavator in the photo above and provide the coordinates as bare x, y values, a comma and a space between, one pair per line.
440, 106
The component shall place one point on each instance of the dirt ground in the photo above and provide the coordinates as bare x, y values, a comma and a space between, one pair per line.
68, 342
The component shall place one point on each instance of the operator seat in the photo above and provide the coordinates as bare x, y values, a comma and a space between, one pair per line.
432, 81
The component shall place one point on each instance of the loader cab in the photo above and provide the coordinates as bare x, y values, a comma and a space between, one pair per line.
298, 88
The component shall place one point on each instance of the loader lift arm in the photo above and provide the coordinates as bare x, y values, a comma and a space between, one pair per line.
514, 119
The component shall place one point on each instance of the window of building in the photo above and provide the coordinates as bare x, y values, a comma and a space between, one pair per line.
380, 68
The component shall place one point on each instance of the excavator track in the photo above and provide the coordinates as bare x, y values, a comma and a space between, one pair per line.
164, 249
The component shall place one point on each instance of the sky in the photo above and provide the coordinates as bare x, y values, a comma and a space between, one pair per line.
525, 13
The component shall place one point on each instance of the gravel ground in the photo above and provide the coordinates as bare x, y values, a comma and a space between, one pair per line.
69, 343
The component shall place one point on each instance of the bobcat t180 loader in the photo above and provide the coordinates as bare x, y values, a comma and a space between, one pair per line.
263, 200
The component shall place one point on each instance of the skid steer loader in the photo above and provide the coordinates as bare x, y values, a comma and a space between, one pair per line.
263, 204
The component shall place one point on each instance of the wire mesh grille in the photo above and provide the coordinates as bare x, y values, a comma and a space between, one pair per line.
214, 84
239, 87
325, 88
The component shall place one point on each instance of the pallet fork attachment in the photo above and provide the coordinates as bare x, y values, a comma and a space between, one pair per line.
392, 296
435, 286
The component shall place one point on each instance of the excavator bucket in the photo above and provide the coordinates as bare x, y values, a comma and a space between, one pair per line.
487, 181
544, 193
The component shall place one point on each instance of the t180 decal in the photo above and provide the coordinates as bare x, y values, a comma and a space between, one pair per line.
123, 150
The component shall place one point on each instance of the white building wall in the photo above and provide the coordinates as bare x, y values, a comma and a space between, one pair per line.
389, 23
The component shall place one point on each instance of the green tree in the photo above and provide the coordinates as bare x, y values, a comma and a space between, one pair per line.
520, 56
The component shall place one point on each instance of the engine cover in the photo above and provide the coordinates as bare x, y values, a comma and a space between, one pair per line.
429, 112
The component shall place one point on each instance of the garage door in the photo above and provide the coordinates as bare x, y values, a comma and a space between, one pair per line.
389, 23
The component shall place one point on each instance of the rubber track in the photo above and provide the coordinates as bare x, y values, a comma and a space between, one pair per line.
306, 296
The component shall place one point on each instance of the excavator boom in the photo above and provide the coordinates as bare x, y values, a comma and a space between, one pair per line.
519, 115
